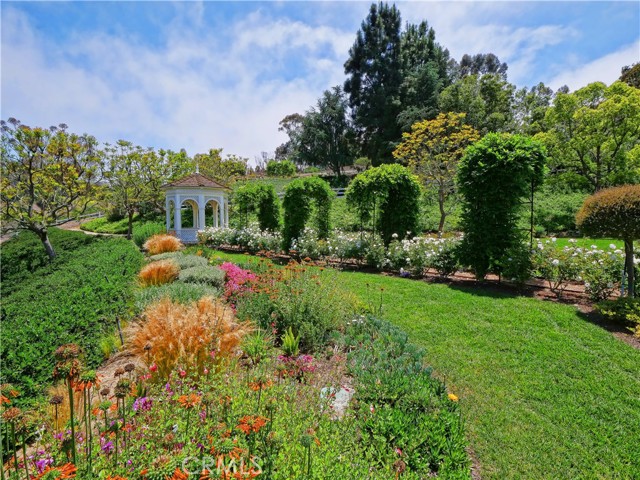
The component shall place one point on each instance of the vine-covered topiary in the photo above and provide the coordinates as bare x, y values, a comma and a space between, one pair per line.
494, 177
262, 199
389, 195
614, 212
300, 198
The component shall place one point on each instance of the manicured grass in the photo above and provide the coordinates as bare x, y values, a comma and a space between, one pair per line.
545, 393
602, 243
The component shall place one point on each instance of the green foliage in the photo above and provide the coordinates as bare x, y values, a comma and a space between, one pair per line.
281, 168
177, 292
495, 175
594, 133
290, 343
389, 196
625, 311
257, 346
49, 168
260, 198
183, 260
555, 212
302, 197
403, 405
223, 170
327, 135
144, 231
614, 212
75, 299
203, 275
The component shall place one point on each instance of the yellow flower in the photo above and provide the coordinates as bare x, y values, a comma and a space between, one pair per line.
453, 397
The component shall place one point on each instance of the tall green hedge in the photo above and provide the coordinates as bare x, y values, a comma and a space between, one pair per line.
495, 176
301, 197
260, 198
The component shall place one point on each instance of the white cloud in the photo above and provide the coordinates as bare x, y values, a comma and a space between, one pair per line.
192, 92
604, 69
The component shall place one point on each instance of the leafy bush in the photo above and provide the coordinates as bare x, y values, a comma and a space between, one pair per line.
158, 273
141, 233
281, 168
173, 335
625, 311
301, 198
203, 274
402, 405
177, 292
104, 225
389, 196
494, 176
260, 198
555, 212
72, 300
162, 244
296, 297
183, 260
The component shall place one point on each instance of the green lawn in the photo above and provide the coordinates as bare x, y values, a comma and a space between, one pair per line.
545, 393
602, 243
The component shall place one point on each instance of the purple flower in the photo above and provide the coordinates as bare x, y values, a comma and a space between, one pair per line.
142, 404
43, 463
106, 447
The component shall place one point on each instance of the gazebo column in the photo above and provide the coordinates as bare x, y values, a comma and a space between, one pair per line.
177, 216
221, 212
201, 207
226, 212
167, 210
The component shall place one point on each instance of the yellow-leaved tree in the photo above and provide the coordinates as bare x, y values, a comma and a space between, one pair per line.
48, 176
432, 150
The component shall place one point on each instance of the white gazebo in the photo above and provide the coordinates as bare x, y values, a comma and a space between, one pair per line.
207, 199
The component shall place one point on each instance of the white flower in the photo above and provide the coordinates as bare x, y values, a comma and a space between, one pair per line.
612, 246
555, 262
553, 239
572, 240
395, 235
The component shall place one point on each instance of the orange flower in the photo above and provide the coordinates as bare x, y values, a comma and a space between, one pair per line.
260, 385
189, 401
249, 423
453, 397
4, 399
64, 471
116, 477
179, 475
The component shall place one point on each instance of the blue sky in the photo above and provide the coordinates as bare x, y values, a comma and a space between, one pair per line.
200, 75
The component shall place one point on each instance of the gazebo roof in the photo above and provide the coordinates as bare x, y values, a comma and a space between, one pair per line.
195, 180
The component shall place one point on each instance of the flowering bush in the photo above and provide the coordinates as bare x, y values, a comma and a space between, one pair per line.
601, 270
250, 237
308, 245
237, 280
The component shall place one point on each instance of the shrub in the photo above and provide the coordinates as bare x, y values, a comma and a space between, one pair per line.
494, 176
625, 311
251, 238
141, 233
75, 299
203, 274
162, 244
183, 261
301, 197
296, 297
555, 212
281, 168
174, 335
389, 196
177, 292
445, 260
614, 212
158, 273
260, 198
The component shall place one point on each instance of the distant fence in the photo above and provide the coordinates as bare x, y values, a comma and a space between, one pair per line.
81, 217
338, 191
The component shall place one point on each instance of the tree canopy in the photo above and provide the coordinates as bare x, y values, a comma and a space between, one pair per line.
433, 150
47, 175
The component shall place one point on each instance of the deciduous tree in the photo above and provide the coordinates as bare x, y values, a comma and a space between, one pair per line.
433, 150
47, 175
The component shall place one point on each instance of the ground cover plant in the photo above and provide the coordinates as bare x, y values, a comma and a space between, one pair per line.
76, 298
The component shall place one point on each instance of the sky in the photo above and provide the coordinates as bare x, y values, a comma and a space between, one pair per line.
201, 75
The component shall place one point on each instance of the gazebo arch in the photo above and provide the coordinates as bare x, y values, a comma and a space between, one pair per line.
198, 191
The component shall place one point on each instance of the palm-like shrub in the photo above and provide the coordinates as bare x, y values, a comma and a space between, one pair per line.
162, 243
158, 273
173, 335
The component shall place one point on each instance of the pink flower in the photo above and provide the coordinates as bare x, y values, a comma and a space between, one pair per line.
183, 373
372, 409
206, 371
153, 368
398, 451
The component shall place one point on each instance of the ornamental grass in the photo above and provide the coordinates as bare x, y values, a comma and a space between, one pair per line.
159, 273
162, 243
172, 335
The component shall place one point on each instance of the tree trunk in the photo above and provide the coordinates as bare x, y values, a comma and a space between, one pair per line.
130, 225
44, 238
443, 214
628, 250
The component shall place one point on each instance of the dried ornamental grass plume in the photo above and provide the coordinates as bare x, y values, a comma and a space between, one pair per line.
185, 334
162, 244
159, 273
